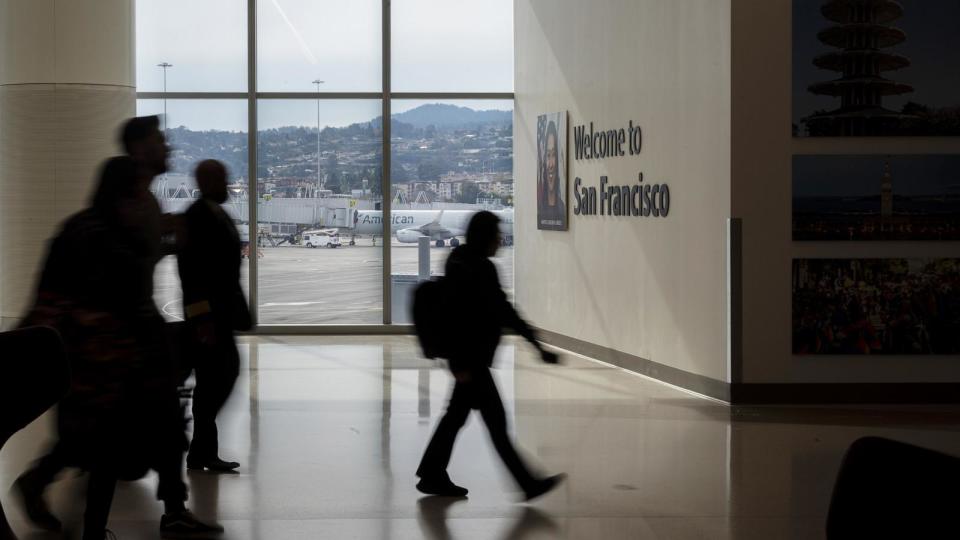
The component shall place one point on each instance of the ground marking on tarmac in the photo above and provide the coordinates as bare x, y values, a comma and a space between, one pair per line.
174, 315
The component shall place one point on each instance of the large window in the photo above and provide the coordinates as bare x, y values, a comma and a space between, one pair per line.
203, 42
452, 46
301, 41
293, 104
318, 161
449, 159
197, 130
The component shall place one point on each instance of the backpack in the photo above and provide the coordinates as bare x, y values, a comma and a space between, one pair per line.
430, 318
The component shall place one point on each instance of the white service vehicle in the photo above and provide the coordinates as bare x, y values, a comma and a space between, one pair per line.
329, 238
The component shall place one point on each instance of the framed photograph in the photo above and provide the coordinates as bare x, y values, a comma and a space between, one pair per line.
876, 68
876, 306
552, 171
876, 197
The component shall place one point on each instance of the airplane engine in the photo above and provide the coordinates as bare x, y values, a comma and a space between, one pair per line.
408, 236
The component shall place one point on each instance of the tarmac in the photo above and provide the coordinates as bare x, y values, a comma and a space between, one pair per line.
304, 286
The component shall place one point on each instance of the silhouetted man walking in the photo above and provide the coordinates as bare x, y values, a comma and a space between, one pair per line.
483, 311
214, 305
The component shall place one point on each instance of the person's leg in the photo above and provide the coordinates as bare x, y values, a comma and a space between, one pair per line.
177, 521
203, 417
436, 457
46, 469
171, 488
100, 489
495, 418
34, 482
217, 372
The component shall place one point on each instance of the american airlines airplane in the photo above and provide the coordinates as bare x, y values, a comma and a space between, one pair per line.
438, 225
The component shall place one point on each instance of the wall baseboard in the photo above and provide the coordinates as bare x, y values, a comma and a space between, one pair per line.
684, 379
765, 393
844, 393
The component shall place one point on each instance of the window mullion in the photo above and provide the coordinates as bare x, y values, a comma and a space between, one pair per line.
385, 191
253, 240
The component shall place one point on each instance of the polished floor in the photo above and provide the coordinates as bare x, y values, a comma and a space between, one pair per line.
330, 429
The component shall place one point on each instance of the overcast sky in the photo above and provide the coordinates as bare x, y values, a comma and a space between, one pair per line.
438, 45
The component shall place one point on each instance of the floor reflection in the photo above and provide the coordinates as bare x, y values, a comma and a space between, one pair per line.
527, 524
329, 432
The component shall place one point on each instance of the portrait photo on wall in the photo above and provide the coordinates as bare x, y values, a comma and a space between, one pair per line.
876, 306
876, 68
552, 171
878, 197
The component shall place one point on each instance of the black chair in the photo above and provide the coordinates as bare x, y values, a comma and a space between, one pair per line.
34, 375
890, 489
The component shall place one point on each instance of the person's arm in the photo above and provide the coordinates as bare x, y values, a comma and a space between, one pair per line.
510, 318
195, 273
171, 232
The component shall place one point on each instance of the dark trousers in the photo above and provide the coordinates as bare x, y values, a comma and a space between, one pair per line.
479, 392
217, 367
102, 483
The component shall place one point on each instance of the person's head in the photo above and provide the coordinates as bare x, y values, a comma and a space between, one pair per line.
145, 144
483, 233
212, 180
551, 158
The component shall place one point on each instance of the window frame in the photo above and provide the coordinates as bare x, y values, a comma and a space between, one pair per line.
386, 95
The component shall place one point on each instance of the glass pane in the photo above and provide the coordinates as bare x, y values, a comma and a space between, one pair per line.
318, 165
300, 41
206, 43
198, 130
452, 46
449, 160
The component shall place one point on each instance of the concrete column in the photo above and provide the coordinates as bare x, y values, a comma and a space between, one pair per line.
66, 84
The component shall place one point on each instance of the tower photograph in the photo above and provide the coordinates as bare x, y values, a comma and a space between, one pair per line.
881, 197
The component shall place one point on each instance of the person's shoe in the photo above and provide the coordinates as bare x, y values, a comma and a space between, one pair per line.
543, 486
186, 525
107, 534
440, 486
216, 464
31, 493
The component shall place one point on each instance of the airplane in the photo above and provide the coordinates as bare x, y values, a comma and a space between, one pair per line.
440, 226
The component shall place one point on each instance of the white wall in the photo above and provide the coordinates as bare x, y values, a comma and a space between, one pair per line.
66, 85
762, 152
650, 287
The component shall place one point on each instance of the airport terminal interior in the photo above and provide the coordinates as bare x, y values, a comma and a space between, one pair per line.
732, 227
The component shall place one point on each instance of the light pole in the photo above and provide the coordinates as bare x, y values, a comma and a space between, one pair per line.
165, 65
318, 82
162, 188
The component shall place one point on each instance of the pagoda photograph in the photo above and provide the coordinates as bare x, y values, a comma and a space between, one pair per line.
860, 197
876, 68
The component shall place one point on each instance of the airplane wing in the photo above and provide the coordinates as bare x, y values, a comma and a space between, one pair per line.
434, 228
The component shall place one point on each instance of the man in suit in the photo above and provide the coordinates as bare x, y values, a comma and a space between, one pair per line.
214, 306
